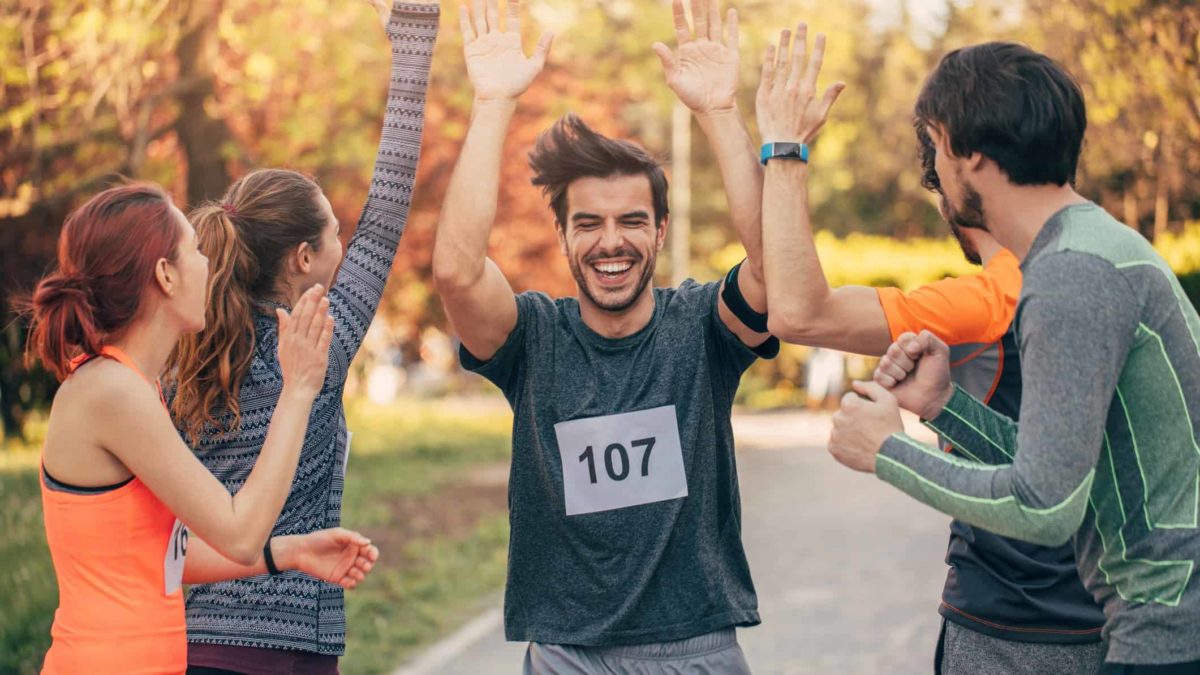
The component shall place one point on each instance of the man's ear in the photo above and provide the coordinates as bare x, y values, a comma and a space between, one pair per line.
941, 141
974, 162
660, 235
561, 231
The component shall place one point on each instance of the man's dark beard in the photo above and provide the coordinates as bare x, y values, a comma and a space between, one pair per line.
620, 306
969, 217
970, 252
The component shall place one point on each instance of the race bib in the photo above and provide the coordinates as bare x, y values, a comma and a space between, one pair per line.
175, 558
616, 461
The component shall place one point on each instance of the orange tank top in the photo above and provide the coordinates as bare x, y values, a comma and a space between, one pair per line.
118, 557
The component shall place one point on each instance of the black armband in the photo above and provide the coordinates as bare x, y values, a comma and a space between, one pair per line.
732, 295
767, 350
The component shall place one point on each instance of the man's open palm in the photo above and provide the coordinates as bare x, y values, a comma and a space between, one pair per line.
496, 63
703, 72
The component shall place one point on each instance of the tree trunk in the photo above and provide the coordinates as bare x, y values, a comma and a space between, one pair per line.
27, 249
1130, 202
10, 373
681, 194
202, 136
1162, 188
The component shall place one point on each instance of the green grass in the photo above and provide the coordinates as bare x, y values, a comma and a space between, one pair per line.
437, 583
423, 587
16, 455
28, 592
441, 585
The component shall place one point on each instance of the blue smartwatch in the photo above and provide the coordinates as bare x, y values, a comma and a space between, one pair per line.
784, 151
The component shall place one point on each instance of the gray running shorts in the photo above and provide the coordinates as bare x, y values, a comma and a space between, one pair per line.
715, 653
962, 651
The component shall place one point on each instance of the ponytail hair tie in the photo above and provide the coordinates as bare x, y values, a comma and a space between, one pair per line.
230, 209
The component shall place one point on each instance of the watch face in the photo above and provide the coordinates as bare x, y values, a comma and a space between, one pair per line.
785, 150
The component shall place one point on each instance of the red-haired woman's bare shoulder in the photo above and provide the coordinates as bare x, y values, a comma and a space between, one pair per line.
103, 403
103, 387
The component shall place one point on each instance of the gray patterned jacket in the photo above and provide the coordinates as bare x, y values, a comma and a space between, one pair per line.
293, 610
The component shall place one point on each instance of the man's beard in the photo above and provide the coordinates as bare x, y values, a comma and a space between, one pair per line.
969, 217
969, 250
615, 305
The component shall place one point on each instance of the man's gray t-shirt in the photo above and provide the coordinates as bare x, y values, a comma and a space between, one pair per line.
630, 532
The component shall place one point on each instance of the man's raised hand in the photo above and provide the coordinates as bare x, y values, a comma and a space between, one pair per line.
786, 105
496, 63
703, 72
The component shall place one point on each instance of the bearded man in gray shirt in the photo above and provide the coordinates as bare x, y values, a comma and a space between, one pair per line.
1106, 454
626, 552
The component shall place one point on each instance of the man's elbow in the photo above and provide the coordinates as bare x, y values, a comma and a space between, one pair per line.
1058, 528
451, 275
781, 326
446, 278
1050, 536
802, 319
795, 327
1048, 517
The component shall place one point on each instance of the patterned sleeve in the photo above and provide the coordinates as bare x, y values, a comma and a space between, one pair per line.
355, 295
976, 430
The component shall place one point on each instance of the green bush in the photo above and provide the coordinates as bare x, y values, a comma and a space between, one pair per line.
1191, 286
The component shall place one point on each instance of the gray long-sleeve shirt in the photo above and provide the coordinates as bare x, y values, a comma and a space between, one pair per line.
1107, 450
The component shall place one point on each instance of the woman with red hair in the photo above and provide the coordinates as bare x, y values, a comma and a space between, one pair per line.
120, 489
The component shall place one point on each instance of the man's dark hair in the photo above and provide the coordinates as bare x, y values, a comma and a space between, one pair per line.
570, 150
927, 153
1015, 106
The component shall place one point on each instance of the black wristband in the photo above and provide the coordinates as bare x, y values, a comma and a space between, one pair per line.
269, 559
732, 295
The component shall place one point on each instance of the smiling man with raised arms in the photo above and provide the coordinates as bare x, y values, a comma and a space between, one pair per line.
626, 551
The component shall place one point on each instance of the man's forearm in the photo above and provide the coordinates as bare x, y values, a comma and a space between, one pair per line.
469, 210
992, 497
796, 285
804, 309
737, 157
976, 430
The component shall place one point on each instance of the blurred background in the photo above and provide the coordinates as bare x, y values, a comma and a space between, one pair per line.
192, 93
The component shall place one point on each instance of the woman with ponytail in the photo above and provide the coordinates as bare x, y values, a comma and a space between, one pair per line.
272, 236
120, 491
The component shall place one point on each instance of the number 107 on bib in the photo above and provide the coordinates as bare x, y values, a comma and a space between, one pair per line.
627, 459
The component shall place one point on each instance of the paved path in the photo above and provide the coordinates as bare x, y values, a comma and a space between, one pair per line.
848, 570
